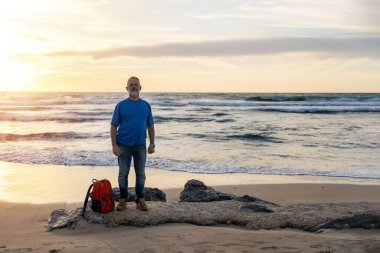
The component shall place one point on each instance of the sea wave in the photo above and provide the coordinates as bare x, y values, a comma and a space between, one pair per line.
102, 158
321, 110
160, 119
54, 117
282, 104
207, 168
255, 137
219, 114
94, 113
56, 156
58, 101
224, 120
322, 98
248, 137
276, 99
50, 136
33, 102
25, 108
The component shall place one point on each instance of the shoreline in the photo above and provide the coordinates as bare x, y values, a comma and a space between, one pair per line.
35, 183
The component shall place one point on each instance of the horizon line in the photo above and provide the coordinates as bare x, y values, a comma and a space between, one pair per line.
209, 92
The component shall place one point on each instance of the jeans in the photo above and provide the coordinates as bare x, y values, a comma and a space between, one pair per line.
138, 153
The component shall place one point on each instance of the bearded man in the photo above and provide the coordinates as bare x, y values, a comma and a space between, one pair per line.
130, 121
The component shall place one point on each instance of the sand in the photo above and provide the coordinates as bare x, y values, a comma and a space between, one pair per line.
22, 227
41, 183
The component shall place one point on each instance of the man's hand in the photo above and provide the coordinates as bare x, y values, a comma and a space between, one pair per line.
116, 150
150, 150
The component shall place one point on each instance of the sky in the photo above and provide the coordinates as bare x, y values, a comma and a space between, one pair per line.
190, 45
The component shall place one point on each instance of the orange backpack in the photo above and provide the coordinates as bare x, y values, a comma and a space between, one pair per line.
101, 197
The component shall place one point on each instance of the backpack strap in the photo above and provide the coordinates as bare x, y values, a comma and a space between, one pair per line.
86, 199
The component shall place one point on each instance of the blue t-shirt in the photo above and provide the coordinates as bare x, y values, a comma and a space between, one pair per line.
132, 119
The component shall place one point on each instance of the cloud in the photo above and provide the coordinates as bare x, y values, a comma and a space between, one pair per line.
340, 47
370, 12
219, 16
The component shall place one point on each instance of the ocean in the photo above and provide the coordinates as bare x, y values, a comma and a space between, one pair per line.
330, 135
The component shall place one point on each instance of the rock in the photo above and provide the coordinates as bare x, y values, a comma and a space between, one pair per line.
194, 184
225, 196
368, 220
253, 207
199, 196
154, 194
197, 191
61, 219
95, 218
247, 198
55, 251
150, 194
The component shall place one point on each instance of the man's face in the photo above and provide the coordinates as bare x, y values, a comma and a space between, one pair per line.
134, 87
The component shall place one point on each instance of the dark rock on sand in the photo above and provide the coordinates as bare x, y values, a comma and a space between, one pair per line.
64, 219
247, 198
197, 191
150, 194
368, 220
253, 207
55, 251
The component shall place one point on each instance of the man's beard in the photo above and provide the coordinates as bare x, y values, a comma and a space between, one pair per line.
134, 93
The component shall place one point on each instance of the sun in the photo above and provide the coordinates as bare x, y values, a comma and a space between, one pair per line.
15, 76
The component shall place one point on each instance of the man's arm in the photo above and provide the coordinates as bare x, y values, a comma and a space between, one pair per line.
151, 134
115, 148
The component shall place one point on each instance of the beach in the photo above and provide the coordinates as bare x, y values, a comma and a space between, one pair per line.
23, 224
260, 121
288, 149
23, 227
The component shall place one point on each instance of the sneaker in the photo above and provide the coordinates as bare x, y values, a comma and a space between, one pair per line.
122, 205
141, 205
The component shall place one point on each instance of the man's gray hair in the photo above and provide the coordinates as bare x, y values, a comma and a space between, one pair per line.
133, 77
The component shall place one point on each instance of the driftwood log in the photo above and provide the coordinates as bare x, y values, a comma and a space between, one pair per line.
245, 211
